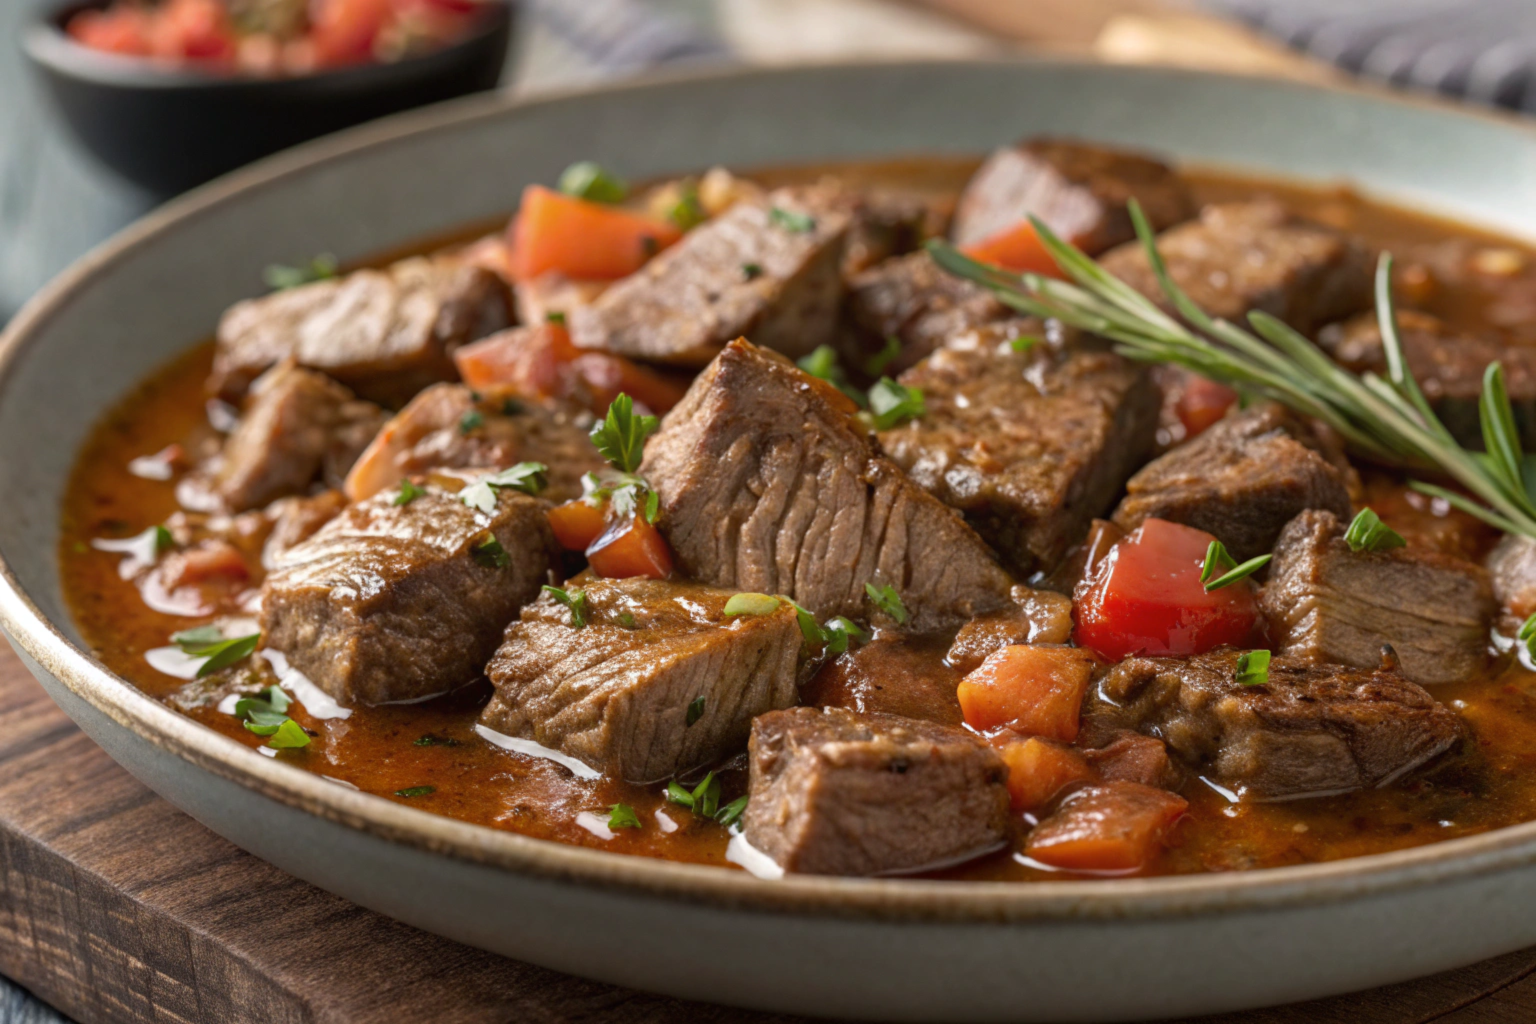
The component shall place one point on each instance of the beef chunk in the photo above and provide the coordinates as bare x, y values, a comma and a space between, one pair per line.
384, 333
298, 426
839, 793
553, 293
1427, 523
1036, 617
618, 693
911, 299
1311, 730
1080, 191
769, 484
392, 602
1132, 757
892, 674
1030, 446
889, 222
296, 519
1512, 568
1242, 480
1448, 364
767, 269
450, 426
1326, 602
1240, 257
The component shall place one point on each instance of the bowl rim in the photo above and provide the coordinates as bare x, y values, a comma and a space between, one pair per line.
47, 45
906, 900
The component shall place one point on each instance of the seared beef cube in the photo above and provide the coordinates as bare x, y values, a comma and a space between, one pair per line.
1311, 730
1132, 757
386, 333
657, 682
450, 426
1448, 364
1512, 568
393, 602
298, 426
1328, 603
295, 520
911, 299
892, 674
1242, 480
1241, 257
1080, 191
769, 484
768, 270
1037, 617
888, 223
1030, 446
839, 793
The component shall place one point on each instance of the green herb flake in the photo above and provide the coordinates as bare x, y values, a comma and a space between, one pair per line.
289, 736
432, 739
809, 627
163, 540
416, 791
588, 180
1221, 570
703, 799
751, 604
688, 213
731, 813
528, 477
751, 271
554, 316
623, 816
627, 620
791, 220
620, 436
279, 277
1025, 342
1253, 668
822, 363
649, 246
575, 602
888, 601
875, 365
489, 553
511, 407
208, 642
893, 404
408, 493
840, 632
695, 710
1368, 533
471, 421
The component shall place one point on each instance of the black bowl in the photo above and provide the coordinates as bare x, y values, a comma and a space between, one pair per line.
167, 129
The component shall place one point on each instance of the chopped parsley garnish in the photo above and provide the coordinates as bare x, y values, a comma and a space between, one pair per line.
289, 736
471, 421
265, 714
790, 220
163, 539
208, 642
574, 600
1253, 668
432, 739
752, 604
620, 436
409, 492
554, 316
416, 791
731, 813
888, 601
840, 632
623, 816
1368, 533
822, 363
627, 620
1024, 342
695, 710
703, 800
528, 477
489, 553
875, 365
1221, 570
893, 404
587, 180
511, 407
1527, 635
751, 271
688, 213
280, 278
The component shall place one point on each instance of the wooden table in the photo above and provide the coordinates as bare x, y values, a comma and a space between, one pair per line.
115, 907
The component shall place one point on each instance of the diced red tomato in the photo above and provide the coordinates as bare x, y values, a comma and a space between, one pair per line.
578, 524
1038, 769
1114, 828
1202, 403
1035, 691
582, 240
1146, 597
1018, 248
194, 30
631, 548
344, 31
123, 30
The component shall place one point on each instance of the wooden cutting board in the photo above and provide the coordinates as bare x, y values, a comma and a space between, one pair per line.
115, 907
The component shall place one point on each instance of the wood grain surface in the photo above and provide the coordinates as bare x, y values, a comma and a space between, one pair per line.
115, 907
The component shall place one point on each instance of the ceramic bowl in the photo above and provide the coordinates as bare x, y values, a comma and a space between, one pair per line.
882, 949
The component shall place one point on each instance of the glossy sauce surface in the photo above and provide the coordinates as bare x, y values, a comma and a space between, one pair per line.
1486, 782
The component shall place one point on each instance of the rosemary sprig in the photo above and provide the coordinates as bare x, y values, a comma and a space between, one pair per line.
1385, 420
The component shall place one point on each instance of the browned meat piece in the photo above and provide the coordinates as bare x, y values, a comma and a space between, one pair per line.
450, 426
769, 484
393, 602
893, 675
1037, 617
1512, 569
1080, 191
1030, 446
1132, 757
298, 426
1328, 603
553, 293
295, 520
910, 299
1310, 731
1496, 280
658, 682
768, 270
888, 223
839, 793
1448, 365
1240, 257
1242, 480
386, 333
